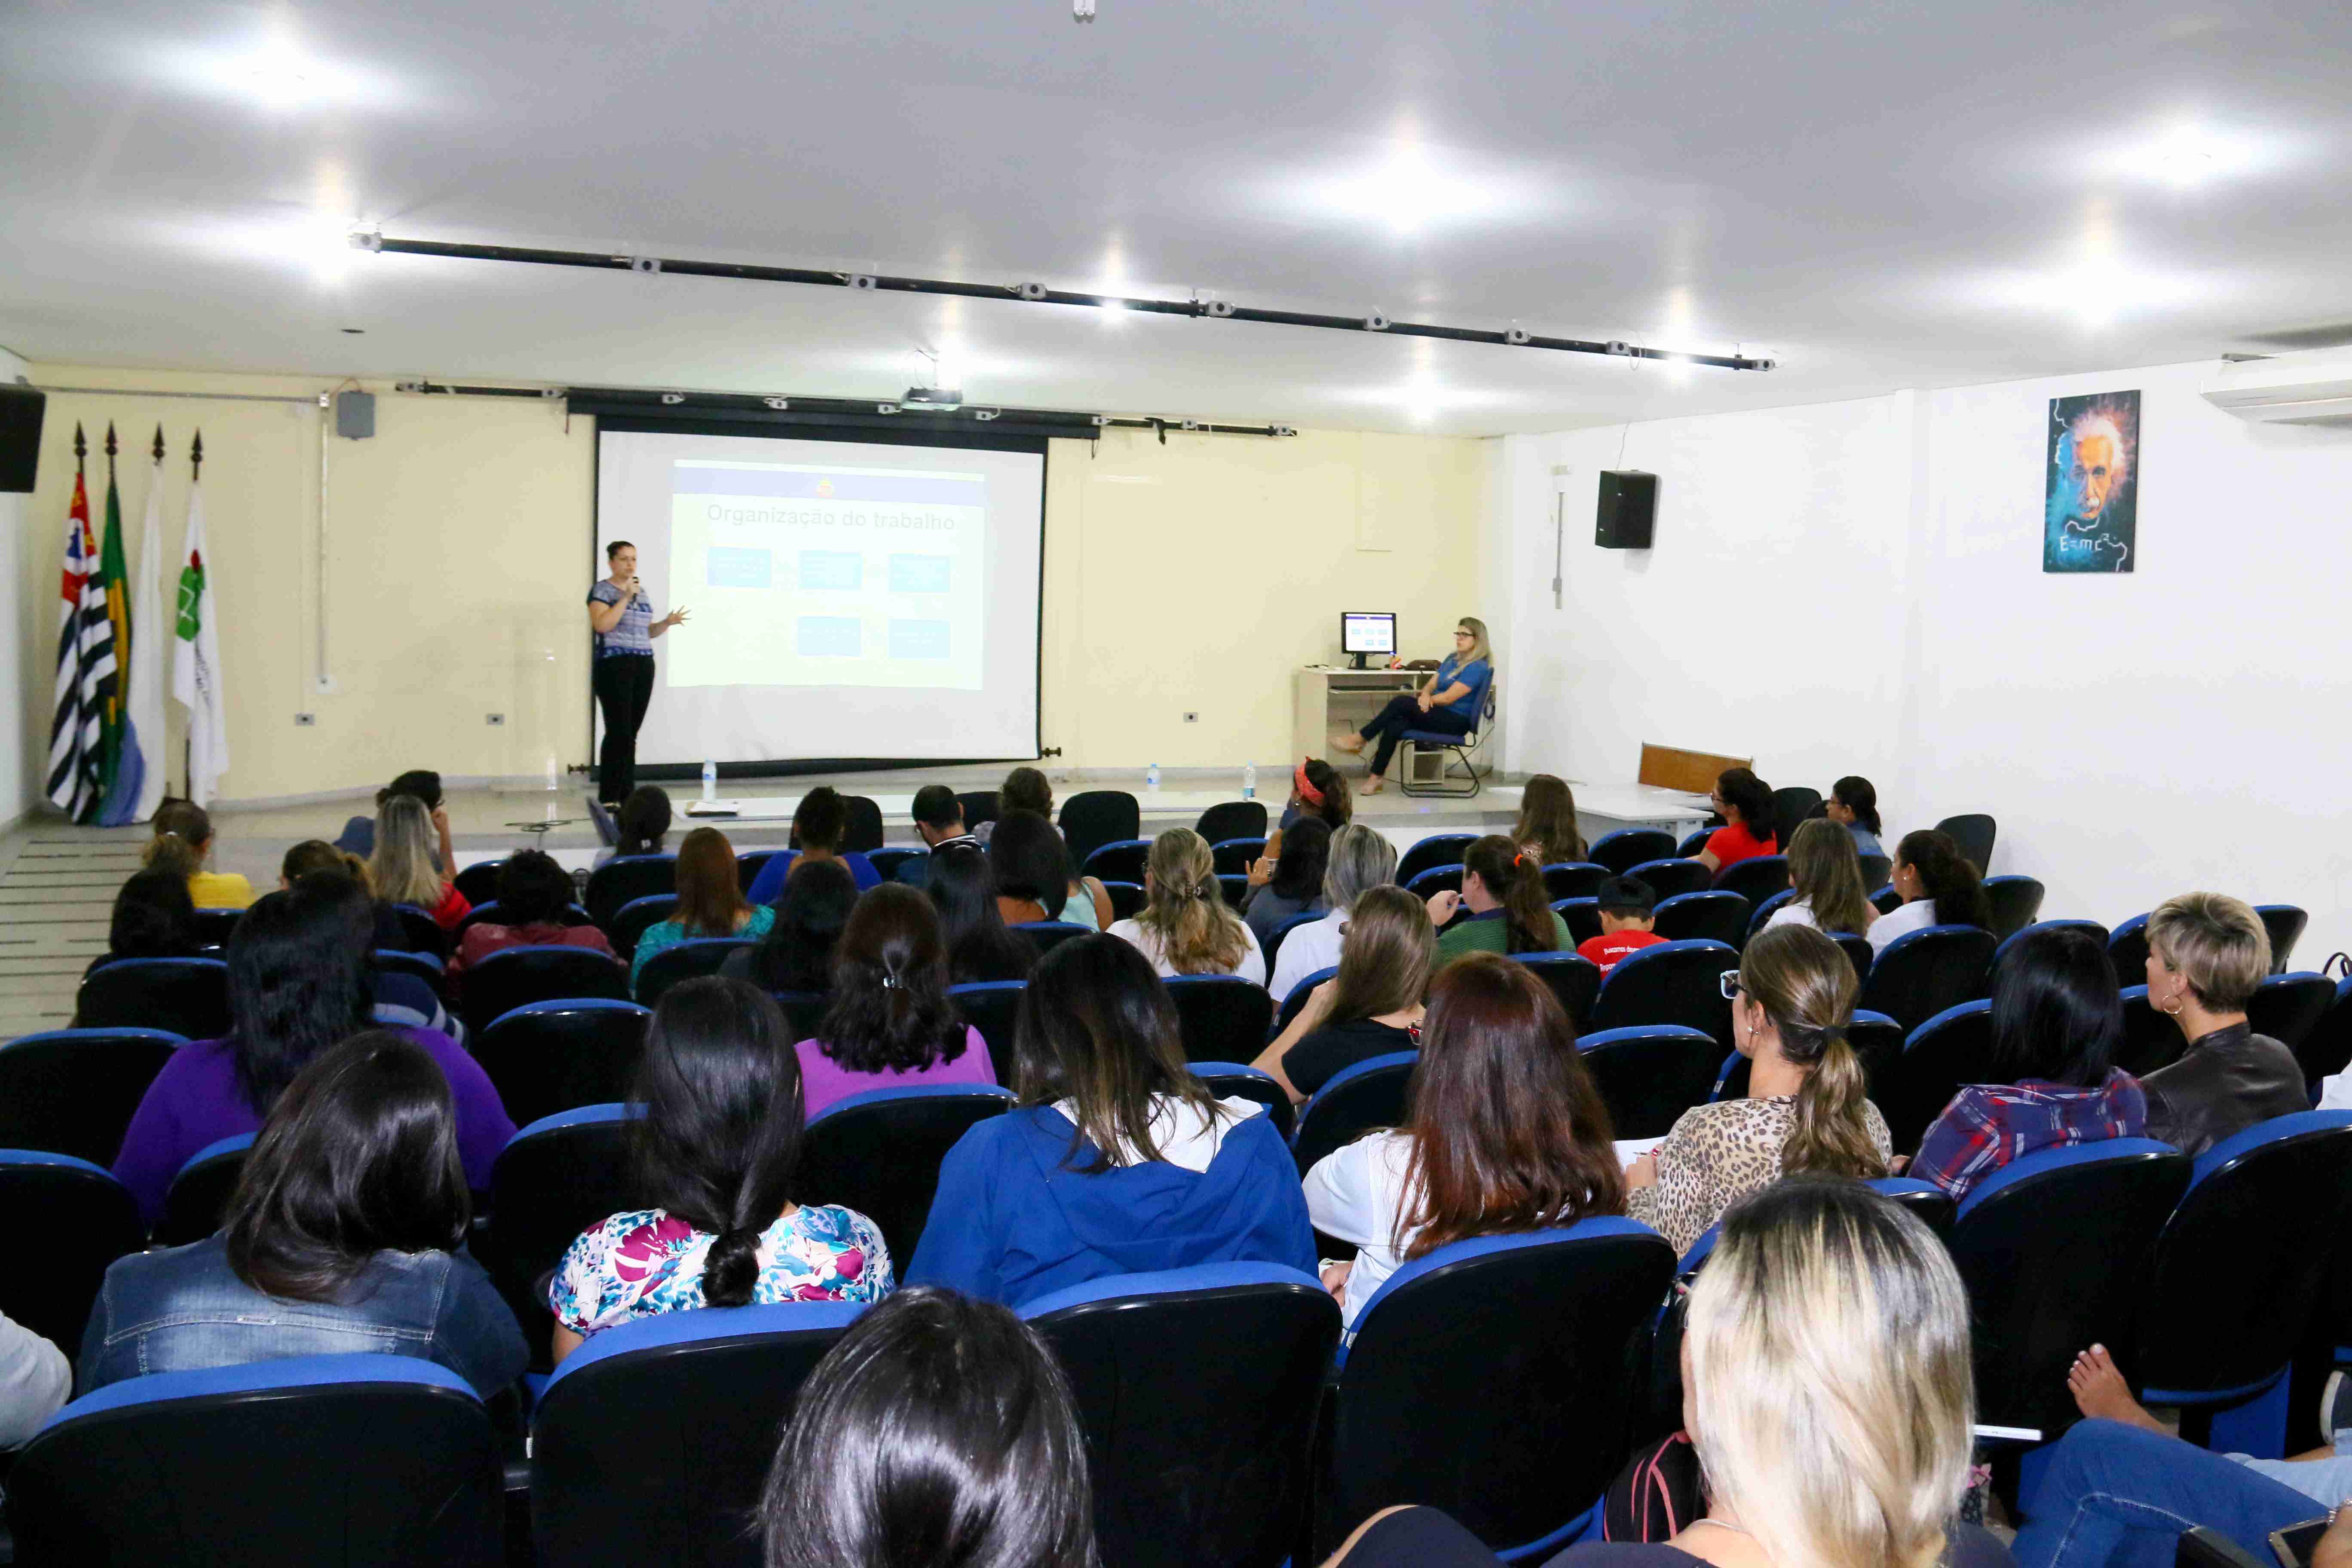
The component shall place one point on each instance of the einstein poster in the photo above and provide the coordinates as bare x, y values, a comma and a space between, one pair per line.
2090, 491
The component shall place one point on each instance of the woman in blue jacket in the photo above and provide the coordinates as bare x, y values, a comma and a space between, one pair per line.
1116, 1160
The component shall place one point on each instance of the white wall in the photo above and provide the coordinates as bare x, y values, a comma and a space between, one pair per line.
1856, 588
21, 689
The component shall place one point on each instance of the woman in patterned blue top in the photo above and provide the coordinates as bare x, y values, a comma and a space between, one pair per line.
622, 619
715, 1151
1448, 703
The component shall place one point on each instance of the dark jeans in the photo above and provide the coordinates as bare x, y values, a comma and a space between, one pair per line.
1404, 713
2116, 1495
625, 689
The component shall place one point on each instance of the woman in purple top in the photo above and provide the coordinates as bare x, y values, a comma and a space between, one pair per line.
891, 1023
298, 983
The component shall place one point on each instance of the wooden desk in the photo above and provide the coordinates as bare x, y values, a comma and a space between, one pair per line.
1326, 700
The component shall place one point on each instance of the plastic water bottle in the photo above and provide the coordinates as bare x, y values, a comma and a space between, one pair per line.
1151, 778
1249, 781
710, 779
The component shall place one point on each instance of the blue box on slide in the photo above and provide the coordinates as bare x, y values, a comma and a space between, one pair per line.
919, 574
832, 569
731, 566
919, 639
828, 636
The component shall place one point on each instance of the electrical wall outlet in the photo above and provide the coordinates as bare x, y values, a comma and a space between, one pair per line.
305, 720
1192, 718
494, 719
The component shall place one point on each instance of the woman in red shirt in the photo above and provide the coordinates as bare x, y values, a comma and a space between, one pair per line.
1745, 802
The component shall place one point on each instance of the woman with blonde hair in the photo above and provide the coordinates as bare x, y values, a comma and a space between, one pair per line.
710, 901
2206, 954
1372, 1007
1826, 870
1186, 927
182, 844
1791, 1001
1546, 828
1448, 703
1359, 859
402, 869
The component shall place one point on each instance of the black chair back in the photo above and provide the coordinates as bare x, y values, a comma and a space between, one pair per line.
1630, 846
880, 1152
210, 928
1582, 917
624, 878
1233, 819
2091, 929
1673, 983
1437, 849
1952, 1048
1374, 1093
1195, 1465
2284, 924
690, 960
805, 1011
1648, 1077
1436, 880
1095, 817
1573, 879
185, 996
1051, 934
979, 805
2152, 1042
1858, 950
1791, 806
1973, 832
2290, 1008
635, 918
1233, 857
886, 862
1875, 870
1127, 901
861, 831
2016, 903
1290, 1005
556, 1178
197, 1199
550, 1056
516, 976
421, 931
1670, 876
1929, 1204
2327, 1049
1756, 878
1238, 1080
2127, 950
1877, 1039
1573, 978
993, 1008
1120, 860
1886, 900
479, 881
1224, 1018
748, 867
1235, 890
490, 914
1716, 916
1924, 971
417, 966
88, 1220
73, 1092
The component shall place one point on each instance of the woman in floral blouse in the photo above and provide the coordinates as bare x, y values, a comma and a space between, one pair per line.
716, 1147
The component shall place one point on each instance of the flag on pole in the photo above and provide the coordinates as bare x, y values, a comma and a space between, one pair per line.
139, 779
112, 583
196, 670
72, 783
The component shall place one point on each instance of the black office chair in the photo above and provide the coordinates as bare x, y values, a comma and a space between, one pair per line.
1233, 819
556, 1178
1120, 860
2284, 924
1372, 1093
979, 805
1095, 817
1791, 806
1950, 1050
861, 831
197, 1199
514, 976
1572, 977
479, 881
549, 1056
1233, 857
1716, 916
1673, 983
1630, 846
2016, 903
1223, 1017
73, 1092
1756, 878
1922, 973
1195, 1463
184, 996
361, 1458
879, 1151
1667, 877
1239, 1081
1127, 901
1437, 849
691, 960
1581, 916
1573, 879
1649, 1075
1974, 833
625, 877
87, 1220
635, 918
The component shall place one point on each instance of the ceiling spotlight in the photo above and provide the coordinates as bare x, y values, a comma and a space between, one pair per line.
1031, 291
886, 408
1375, 324
1617, 346
370, 240
985, 414
1516, 336
553, 393
672, 399
778, 404
1220, 309
1081, 10
932, 399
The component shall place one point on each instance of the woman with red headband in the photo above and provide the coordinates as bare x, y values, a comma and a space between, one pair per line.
1503, 889
1318, 789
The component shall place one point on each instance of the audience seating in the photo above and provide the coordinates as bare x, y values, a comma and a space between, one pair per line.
1483, 700
2128, 949
1374, 1092
689, 959
1573, 879
1582, 917
2151, 1040
516, 975
1273, 944
1127, 901
1857, 949
187, 996
1673, 983
1526, 1425
1120, 860
1235, 889
351, 1459
554, 1179
2091, 928
1756, 878
2290, 1008
662, 1430
2284, 922
198, 1196
1436, 849
210, 927
490, 914
1718, 916
1666, 878
1573, 978
1929, 1203
1791, 806
993, 1008
1298, 994
1238, 1080
1973, 832
2236, 1276
1924, 971
1876, 869
1436, 880
1695, 840
627, 877
1095, 817
421, 931
1234, 856
414, 965
880, 1152
1876, 1038
1223, 1015
1233, 819
479, 881
861, 831
633, 920
73, 1092
2328, 1050
84, 1219
748, 867
2016, 903
1630, 846
1952, 1048
978, 806
1762, 914
886, 862
547, 1057
1051, 934
1886, 900
2040, 1292
804, 1010
1195, 1463
1650, 1076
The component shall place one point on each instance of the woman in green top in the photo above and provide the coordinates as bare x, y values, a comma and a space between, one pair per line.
1503, 889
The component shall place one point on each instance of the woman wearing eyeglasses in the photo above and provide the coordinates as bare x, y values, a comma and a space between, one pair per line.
1791, 1001
1448, 703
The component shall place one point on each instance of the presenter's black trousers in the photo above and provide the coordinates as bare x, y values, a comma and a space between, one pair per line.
1404, 713
625, 689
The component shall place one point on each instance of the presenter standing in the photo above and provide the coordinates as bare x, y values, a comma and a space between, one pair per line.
622, 619
1448, 703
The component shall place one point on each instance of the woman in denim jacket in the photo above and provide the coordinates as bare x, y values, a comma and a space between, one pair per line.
343, 1235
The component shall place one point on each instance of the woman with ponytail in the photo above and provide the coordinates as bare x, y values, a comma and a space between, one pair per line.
1791, 1001
1186, 926
1503, 889
1938, 884
890, 1023
715, 1152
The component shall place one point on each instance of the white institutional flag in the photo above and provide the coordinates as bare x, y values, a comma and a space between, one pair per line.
196, 671
147, 650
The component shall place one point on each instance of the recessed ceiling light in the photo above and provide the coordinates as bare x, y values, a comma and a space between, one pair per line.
356, 331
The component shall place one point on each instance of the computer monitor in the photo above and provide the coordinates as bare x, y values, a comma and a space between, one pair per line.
1365, 632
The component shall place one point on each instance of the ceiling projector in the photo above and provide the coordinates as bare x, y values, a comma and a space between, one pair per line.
932, 399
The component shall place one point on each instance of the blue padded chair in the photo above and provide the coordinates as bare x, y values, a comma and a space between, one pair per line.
1372, 1093
422, 933
2289, 1008
199, 1193
1693, 842
1051, 934
479, 881
1094, 818
1952, 1048
993, 1008
1630, 846
1791, 804
635, 918
1452, 749
886, 862
1669, 877
1974, 833
1195, 1462
516, 976
1238, 1080
627, 877
1886, 900
1233, 819
880, 1152
2328, 1049
2284, 923
86, 1220
1530, 1332
2053, 1250
662, 1429
1299, 995
2016, 903
1235, 890
693, 959
979, 805
2127, 949
1924, 971
211, 928
1573, 879
2236, 1277
1720, 915
351, 1459
490, 914
1756, 878
1435, 849
1648, 1077
1222, 1015
1767, 909
1127, 900
417, 966
1436, 880
1583, 916
2089, 928
1876, 1038
1273, 943
1858, 952
2151, 1040
73, 1092
1673, 983
1928, 1202
1572, 977
861, 825
748, 867
553, 1180
550, 1056
1120, 860
1234, 856
187, 996
1876, 869
804, 1010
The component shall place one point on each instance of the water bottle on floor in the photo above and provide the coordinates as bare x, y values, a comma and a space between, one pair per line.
1249, 781
710, 779
1151, 779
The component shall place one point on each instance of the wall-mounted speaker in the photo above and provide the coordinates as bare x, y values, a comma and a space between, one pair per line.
20, 435
1629, 505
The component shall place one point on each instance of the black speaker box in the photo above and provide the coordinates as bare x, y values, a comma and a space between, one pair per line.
1629, 505
20, 435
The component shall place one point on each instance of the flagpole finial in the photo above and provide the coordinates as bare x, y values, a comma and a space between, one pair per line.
109, 446
158, 442
196, 457
81, 446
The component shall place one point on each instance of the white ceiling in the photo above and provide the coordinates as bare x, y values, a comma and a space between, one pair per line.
1904, 195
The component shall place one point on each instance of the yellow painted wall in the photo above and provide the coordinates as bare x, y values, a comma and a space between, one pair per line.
1190, 576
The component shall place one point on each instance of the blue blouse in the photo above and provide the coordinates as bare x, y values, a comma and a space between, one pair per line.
1474, 674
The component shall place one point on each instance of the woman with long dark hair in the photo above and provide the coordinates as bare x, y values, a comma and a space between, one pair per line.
1503, 889
890, 1023
1507, 1133
642, 823
1371, 1008
1032, 862
710, 901
1744, 804
1118, 1159
1288, 881
1853, 806
183, 844
298, 983
797, 952
346, 1232
714, 1152
962, 887
1939, 887
1318, 791
1547, 828
153, 918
